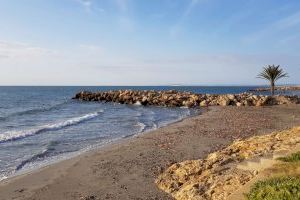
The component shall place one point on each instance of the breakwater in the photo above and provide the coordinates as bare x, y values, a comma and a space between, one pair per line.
174, 98
278, 88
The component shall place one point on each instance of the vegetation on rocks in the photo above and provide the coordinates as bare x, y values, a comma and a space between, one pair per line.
279, 188
282, 180
295, 157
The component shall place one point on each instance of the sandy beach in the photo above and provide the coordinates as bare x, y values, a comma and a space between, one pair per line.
149, 100
127, 169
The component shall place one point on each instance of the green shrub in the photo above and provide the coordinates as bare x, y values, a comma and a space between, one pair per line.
295, 157
282, 188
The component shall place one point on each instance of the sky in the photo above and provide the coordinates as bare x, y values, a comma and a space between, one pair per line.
147, 42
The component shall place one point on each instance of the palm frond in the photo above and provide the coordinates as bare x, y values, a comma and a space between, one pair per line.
272, 73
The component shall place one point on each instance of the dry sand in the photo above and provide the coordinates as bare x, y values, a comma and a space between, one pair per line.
127, 169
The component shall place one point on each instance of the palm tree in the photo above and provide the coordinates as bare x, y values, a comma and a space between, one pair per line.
272, 73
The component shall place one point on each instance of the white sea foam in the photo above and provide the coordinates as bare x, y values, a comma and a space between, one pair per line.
14, 135
138, 103
142, 126
155, 126
3, 177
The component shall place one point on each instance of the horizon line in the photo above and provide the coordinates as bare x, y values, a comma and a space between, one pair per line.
167, 85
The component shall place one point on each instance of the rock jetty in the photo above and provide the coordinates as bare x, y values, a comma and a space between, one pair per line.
174, 98
279, 88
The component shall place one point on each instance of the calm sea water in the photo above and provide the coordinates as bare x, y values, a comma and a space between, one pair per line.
39, 125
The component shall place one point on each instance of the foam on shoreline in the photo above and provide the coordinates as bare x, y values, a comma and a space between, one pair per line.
15, 135
28, 166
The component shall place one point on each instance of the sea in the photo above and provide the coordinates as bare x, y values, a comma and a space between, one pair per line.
42, 125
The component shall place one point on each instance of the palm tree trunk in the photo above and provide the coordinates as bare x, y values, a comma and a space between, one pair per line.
272, 88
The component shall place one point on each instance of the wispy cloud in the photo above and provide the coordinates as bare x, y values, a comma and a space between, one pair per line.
89, 6
126, 22
204, 69
91, 47
17, 50
286, 23
190, 7
177, 28
87, 62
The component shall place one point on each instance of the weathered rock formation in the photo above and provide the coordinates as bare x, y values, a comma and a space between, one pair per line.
218, 175
174, 98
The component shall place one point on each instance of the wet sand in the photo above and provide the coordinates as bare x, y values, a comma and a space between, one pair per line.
127, 169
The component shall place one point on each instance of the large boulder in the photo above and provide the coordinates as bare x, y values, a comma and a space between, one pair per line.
231, 97
144, 100
223, 101
189, 104
204, 103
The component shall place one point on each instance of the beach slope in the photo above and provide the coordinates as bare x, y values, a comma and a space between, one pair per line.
128, 169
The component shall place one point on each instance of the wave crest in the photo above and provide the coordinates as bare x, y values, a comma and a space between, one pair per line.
142, 126
15, 135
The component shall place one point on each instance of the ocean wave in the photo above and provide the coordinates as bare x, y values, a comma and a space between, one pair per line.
34, 111
49, 151
154, 126
33, 158
142, 126
3, 177
15, 135
138, 103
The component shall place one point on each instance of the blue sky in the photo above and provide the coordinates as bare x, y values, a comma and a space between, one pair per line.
147, 42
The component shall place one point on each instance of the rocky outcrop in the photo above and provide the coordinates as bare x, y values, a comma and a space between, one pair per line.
174, 98
218, 175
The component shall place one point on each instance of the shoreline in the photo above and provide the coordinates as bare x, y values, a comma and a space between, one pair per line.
94, 148
127, 169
